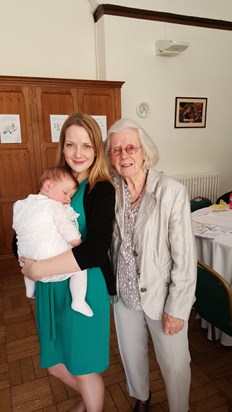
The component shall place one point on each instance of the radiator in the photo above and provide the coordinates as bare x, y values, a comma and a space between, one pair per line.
201, 184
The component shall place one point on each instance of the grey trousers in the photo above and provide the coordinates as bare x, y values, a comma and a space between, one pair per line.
172, 354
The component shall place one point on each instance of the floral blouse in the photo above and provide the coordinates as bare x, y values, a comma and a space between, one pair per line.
126, 268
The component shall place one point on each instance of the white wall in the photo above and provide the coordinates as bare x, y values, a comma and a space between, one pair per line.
47, 38
203, 70
56, 38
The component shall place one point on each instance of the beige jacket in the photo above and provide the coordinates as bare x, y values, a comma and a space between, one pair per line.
164, 246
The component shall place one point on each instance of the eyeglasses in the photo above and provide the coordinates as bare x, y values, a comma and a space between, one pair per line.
129, 149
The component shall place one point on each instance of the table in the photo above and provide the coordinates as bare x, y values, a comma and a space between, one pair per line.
213, 235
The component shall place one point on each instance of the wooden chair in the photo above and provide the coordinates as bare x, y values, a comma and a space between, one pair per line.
213, 300
199, 202
213, 303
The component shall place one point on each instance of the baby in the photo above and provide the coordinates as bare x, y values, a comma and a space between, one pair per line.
46, 225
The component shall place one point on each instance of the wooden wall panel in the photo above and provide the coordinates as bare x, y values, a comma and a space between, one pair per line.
7, 231
50, 155
17, 168
99, 102
17, 180
50, 100
34, 100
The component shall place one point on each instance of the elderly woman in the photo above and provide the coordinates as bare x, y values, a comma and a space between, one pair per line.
153, 256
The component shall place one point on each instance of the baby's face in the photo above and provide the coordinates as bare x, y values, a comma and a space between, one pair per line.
62, 191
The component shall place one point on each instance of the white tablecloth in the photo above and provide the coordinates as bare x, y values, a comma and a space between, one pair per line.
216, 251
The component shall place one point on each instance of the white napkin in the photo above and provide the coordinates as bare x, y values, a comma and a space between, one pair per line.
201, 212
211, 232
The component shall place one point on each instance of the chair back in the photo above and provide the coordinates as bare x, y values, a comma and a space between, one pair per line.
225, 197
199, 202
213, 298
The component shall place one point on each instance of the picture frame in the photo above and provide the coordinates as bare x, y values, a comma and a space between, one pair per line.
190, 112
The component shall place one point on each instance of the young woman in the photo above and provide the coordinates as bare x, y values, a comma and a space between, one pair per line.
79, 349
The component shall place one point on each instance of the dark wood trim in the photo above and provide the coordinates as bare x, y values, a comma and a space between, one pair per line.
113, 10
43, 81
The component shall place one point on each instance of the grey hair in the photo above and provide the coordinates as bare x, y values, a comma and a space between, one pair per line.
148, 145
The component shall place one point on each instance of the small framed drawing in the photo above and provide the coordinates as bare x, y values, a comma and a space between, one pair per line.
190, 112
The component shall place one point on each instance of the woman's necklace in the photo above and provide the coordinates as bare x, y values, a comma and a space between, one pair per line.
137, 198
141, 192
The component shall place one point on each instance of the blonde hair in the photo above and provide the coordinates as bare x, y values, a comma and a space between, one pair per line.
99, 169
56, 174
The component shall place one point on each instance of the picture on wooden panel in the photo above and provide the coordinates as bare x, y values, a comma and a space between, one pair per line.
10, 130
57, 121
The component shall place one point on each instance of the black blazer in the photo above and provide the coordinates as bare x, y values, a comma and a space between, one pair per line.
99, 205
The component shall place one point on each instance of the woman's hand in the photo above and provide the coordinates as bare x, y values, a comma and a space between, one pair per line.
28, 269
172, 325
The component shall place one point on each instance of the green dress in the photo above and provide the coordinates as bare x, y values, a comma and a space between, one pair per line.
81, 343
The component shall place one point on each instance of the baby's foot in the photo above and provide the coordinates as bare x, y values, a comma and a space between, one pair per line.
30, 295
83, 308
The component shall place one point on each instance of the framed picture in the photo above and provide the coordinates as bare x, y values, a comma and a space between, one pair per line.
190, 112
